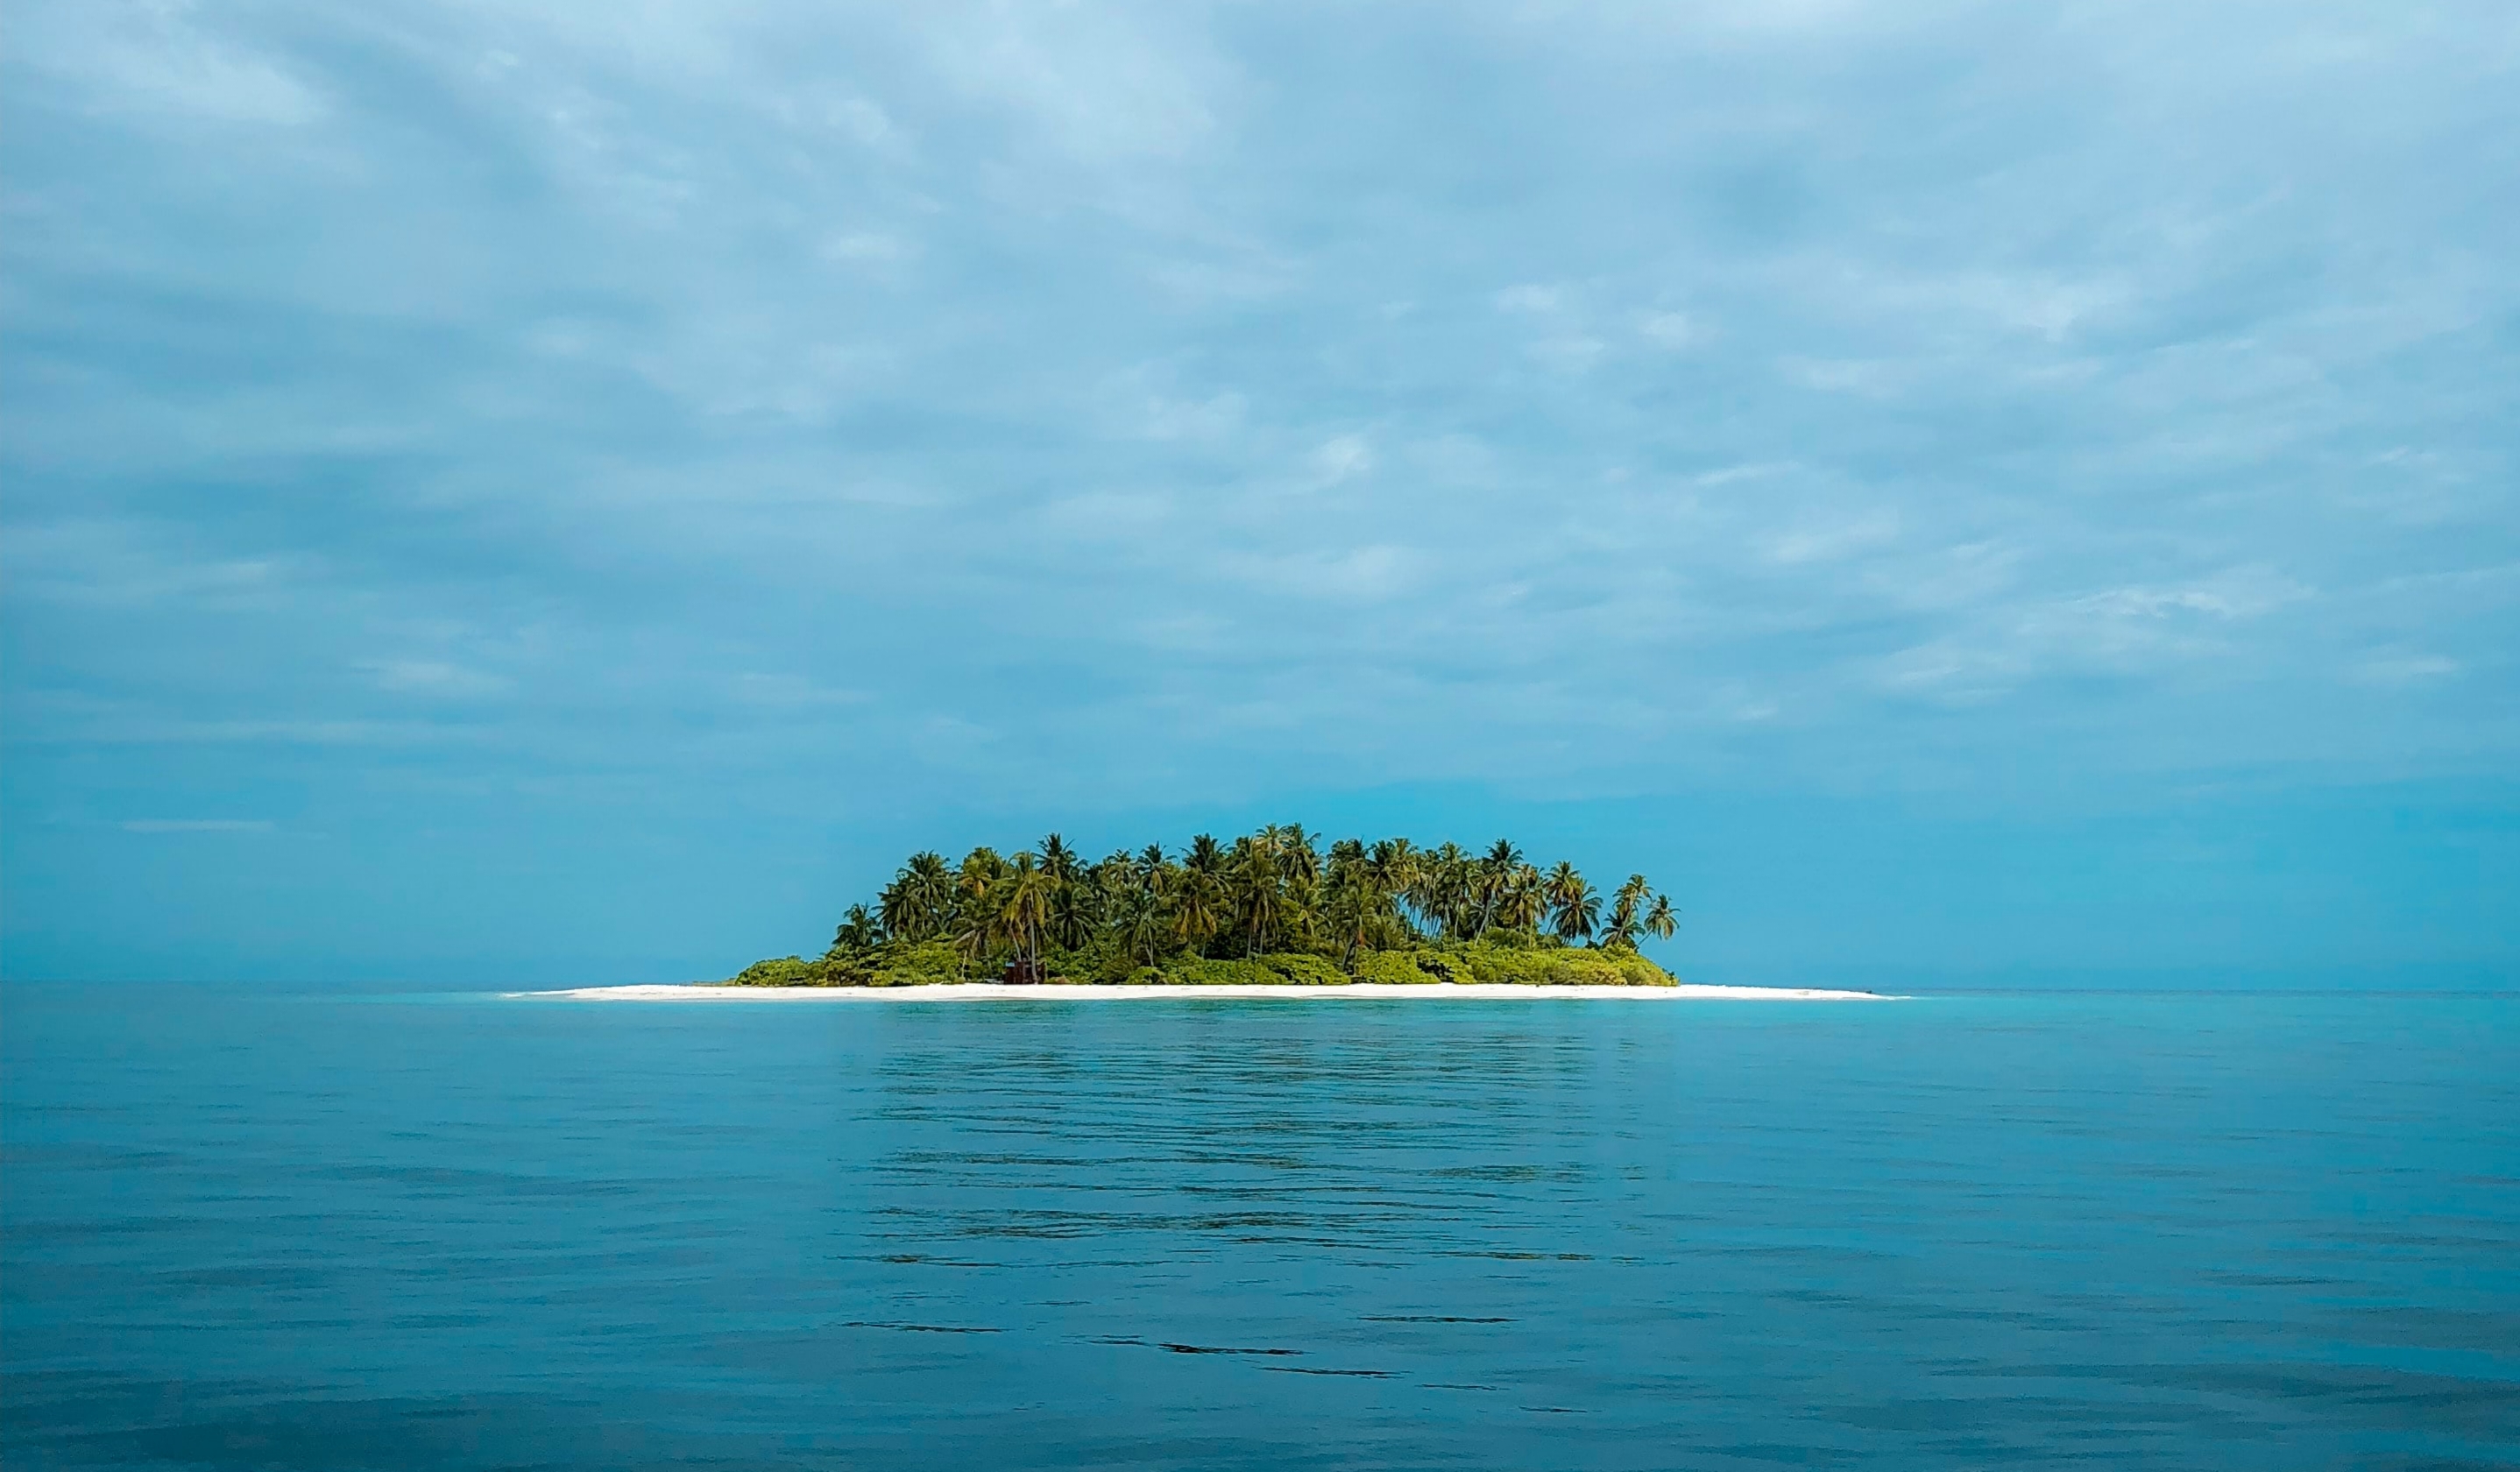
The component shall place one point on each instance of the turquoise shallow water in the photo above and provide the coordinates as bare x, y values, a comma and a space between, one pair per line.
248, 1228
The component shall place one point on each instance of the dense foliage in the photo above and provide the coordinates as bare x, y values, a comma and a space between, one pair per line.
1271, 907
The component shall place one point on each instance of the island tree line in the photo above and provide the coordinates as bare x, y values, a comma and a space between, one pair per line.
1269, 907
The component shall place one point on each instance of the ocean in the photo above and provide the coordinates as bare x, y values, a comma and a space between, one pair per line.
354, 1227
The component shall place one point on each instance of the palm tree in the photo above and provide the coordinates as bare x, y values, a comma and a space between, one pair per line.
976, 915
1441, 890
982, 869
1561, 884
1495, 871
1251, 890
1299, 910
1353, 909
860, 932
1575, 907
1107, 881
898, 907
1296, 856
1070, 905
1393, 863
1066, 916
1627, 914
976, 940
1144, 927
1058, 859
1074, 917
1520, 900
1204, 856
1156, 883
1345, 854
916, 905
1024, 909
1661, 920
1198, 906
931, 889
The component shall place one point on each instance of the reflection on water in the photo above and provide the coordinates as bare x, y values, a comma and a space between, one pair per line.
274, 1230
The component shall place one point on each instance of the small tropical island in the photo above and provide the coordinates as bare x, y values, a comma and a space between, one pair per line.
1268, 908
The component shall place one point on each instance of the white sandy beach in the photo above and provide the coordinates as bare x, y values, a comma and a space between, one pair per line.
987, 991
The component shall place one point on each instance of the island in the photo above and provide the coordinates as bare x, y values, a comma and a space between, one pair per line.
1268, 908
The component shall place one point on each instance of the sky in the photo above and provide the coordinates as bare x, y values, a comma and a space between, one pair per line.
578, 491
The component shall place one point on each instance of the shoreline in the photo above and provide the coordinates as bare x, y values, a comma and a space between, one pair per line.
989, 991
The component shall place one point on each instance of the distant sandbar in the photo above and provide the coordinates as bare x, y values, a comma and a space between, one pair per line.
981, 990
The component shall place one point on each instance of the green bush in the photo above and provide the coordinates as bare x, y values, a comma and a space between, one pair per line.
1554, 965
1276, 970
1391, 968
1101, 963
783, 971
924, 964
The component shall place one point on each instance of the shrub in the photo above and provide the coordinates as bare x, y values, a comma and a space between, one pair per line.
924, 964
1276, 970
1391, 968
782, 971
1101, 963
1554, 966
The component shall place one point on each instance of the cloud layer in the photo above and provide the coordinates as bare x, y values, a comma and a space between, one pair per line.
809, 405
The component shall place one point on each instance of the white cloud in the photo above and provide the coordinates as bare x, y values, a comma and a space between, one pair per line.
785, 692
1871, 379
868, 122
154, 57
434, 678
2405, 669
1215, 417
1730, 473
1105, 516
1354, 575
1669, 329
1342, 458
868, 247
1834, 540
1572, 352
1099, 88
119, 564
2127, 632
2237, 593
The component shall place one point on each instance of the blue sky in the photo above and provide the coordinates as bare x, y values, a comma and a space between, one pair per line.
504, 491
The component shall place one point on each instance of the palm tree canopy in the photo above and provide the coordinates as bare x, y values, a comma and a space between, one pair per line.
1282, 889
1578, 914
1058, 859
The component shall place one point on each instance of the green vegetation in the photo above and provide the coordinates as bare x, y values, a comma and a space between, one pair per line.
1268, 908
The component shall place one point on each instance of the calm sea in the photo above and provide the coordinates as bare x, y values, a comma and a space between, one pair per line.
247, 1228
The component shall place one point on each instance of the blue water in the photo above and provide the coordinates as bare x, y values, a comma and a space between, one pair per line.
257, 1228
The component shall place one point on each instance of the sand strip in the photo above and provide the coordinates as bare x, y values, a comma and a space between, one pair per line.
982, 991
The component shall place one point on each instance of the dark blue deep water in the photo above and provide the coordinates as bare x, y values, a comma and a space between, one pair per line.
260, 1228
